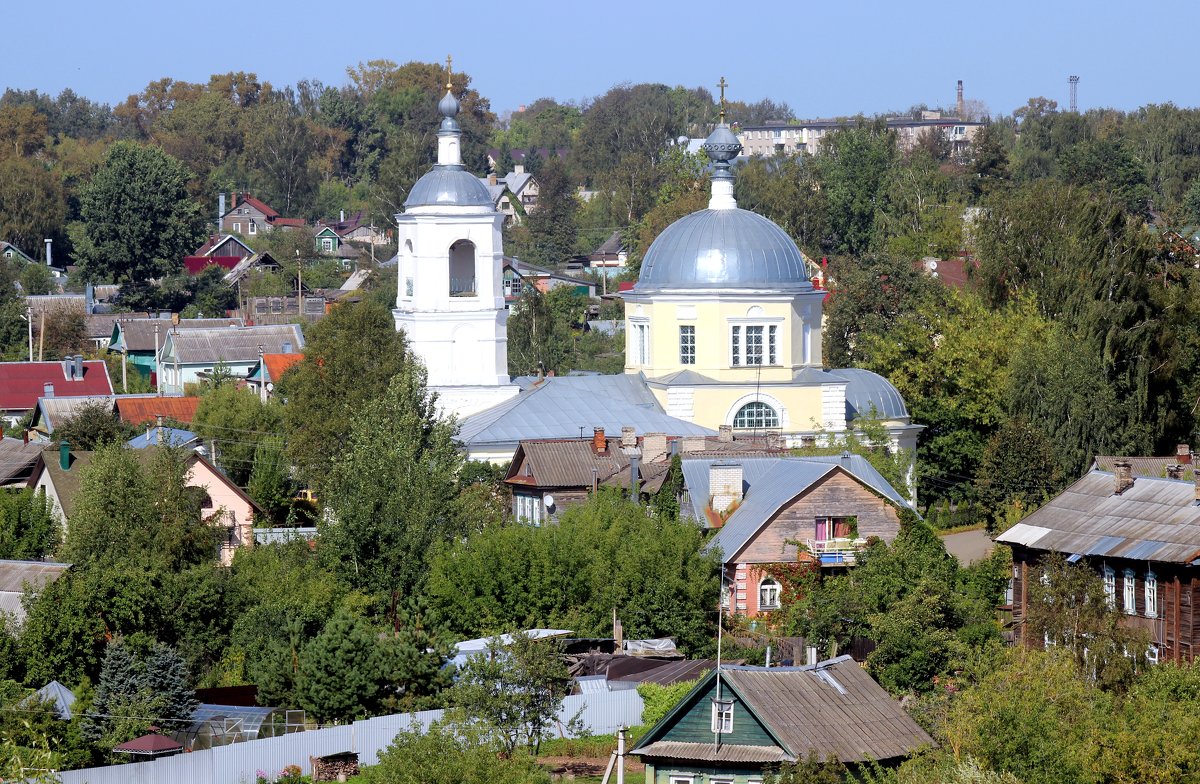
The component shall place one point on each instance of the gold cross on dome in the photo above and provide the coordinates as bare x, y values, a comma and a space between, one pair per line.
722, 84
449, 71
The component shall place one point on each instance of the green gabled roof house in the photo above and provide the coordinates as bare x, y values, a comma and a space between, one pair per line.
740, 722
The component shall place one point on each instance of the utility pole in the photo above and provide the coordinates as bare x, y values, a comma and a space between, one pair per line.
1074, 82
29, 322
299, 281
41, 334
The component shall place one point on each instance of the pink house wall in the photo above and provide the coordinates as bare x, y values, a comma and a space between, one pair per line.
229, 509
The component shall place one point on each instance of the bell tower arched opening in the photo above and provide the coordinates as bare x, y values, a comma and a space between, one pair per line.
462, 269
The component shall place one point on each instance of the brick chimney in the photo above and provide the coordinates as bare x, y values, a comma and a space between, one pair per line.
599, 442
694, 444
1122, 477
724, 485
1183, 454
725, 434
628, 437
654, 447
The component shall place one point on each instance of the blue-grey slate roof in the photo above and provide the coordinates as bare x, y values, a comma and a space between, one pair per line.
175, 437
559, 406
768, 483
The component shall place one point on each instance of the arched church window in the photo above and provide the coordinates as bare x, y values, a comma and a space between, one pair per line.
462, 269
756, 416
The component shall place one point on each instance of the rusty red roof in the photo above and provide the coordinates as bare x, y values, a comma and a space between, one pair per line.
288, 222
143, 410
261, 206
194, 265
278, 364
22, 383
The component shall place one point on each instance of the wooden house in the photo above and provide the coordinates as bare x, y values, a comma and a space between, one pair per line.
739, 722
1140, 534
772, 510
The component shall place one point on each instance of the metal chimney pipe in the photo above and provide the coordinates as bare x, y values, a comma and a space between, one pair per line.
49, 252
220, 210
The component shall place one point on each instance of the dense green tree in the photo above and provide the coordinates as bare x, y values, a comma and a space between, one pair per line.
350, 358
854, 166
138, 222
390, 493
516, 688
787, 190
605, 554
269, 483
1017, 466
343, 675
33, 204
238, 422
809, 770
550, 230
91, 426
28, 527
543, 331
135, 692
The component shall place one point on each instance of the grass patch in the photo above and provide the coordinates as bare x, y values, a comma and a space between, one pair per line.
591, 747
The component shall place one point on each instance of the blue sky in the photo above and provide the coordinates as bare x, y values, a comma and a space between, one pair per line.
824, 57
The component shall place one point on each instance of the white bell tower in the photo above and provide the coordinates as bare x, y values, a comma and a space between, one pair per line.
450, 297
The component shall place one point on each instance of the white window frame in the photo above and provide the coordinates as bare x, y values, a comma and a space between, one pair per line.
683, 779
327, 244
253, 227
770, 588
1110, 586
1129, 592
722, 717
237, 228
639, 343
1151, 591
1152, 653
687, 344
767, 343
765, 426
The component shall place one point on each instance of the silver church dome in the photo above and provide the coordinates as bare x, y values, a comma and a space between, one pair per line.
448, 186
723, 249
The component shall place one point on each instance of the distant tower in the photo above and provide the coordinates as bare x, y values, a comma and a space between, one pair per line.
958, 107
1074, 80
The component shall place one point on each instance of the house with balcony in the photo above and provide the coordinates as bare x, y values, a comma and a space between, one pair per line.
1139, 533
768, 510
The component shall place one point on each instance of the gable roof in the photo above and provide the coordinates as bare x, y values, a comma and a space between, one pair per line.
1152, 520
145, 409
229, 344
56, 411
8, 246
559, 406
244, 198
574, 463
68, 483
137, 334
22, 383
771, 483
832, 708
215, 243
278, 364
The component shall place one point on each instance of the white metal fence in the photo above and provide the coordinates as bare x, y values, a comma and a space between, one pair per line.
241, 763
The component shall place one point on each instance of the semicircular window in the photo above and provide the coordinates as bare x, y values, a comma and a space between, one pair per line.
756, 416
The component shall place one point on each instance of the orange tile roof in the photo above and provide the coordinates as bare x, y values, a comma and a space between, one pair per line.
277, 364
141, 410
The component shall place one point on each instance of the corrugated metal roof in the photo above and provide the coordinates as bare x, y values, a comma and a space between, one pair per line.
232, 344
16, 575
563, 406
1154, 520
1141, 466
17, 459
707, 752
138, 334
56, 411
143, 409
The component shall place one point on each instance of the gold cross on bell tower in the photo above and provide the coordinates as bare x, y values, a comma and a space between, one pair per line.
449, 72
722, 84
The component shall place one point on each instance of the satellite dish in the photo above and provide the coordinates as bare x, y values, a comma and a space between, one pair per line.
548, 500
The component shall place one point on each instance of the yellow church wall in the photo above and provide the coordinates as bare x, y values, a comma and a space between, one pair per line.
714, 405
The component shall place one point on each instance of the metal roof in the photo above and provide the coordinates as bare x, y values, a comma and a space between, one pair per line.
232, 344
138, 334
57, 695
175, 437
833, 708
142, 409
1142, 466
57, 411
16, 575
448, 186
723, 249
565, 406
769, 483
707, 752
1153, 520
17, 459
865, 390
